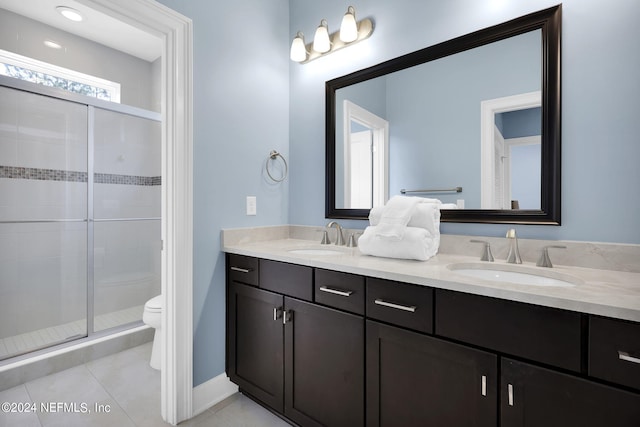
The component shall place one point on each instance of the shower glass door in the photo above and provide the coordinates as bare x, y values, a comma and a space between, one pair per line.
43, 221
80, 197
126, 212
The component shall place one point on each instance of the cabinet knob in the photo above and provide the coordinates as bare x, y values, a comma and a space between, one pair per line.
277, 312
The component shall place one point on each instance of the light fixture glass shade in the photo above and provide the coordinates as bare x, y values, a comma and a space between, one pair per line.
321, 41
298, 49
70, 13
349, 27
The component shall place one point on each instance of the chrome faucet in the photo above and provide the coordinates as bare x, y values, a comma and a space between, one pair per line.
339, 236
544, 260
513, 256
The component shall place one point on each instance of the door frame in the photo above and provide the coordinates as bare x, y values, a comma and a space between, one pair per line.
176, 34
488, 110
380, 131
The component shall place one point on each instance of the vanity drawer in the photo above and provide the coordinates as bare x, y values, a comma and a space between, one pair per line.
287, 279
542, 334
242, 269
340, 290
614, 351
400, 304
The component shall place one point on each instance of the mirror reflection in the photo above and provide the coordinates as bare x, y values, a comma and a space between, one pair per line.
469, 120
475, 118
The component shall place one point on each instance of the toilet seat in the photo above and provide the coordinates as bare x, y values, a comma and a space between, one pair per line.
154, 305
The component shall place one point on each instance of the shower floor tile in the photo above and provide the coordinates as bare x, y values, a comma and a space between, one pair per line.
30, 341
128, 387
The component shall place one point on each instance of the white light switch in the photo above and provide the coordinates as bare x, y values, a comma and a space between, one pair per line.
251, 205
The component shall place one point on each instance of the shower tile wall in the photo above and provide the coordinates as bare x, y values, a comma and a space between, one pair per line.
43, 179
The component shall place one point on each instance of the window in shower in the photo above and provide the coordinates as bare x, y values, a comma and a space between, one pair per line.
79, 219
39, 72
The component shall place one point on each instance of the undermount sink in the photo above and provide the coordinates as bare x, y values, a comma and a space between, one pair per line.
511, 273
315, 252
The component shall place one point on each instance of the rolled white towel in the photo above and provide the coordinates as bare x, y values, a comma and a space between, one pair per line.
416, 243
425, 215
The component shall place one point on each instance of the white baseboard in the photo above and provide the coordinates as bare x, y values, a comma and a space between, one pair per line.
211, 392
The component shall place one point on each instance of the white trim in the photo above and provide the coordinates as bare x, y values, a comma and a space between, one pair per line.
524, 140
212, 392
488, 110
380, 129
176, 33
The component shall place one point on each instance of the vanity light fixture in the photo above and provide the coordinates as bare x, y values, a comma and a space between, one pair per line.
321, 42
70, 13
351, 32
349, 27
298, 48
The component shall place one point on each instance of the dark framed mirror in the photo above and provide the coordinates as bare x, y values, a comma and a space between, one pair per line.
473, 121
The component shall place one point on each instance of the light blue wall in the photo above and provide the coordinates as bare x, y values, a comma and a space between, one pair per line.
434, 114
600, 88
249, 99
241, 112
520, 123
525, 175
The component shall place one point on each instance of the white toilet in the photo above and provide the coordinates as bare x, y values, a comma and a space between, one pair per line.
152, 316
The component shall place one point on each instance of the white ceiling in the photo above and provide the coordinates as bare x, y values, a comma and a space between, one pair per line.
96, 26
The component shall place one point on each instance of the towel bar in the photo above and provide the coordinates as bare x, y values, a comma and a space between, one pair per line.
443, 190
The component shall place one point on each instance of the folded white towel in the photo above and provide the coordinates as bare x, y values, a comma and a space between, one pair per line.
425, 215
449, 206
416, 243
396, 214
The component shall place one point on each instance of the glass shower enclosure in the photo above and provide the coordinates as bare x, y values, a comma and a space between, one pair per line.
80, 194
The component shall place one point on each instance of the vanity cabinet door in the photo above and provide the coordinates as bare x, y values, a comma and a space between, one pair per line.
532, 396
324, 366
418, 380
255, 343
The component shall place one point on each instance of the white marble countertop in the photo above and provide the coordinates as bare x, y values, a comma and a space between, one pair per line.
602, 292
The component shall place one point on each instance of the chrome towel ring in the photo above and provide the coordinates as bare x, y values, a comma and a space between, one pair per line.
273, 155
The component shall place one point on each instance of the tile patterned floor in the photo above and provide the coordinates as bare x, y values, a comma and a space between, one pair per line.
124, 384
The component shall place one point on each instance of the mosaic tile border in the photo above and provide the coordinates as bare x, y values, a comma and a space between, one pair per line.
14, 172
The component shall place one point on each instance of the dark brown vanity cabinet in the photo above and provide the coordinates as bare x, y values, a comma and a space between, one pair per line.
327, 348
534, 396
324, 373
418, 380
301, 359
255, 343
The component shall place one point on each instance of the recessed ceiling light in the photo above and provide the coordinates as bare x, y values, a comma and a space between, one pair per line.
70, 13
52, 44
